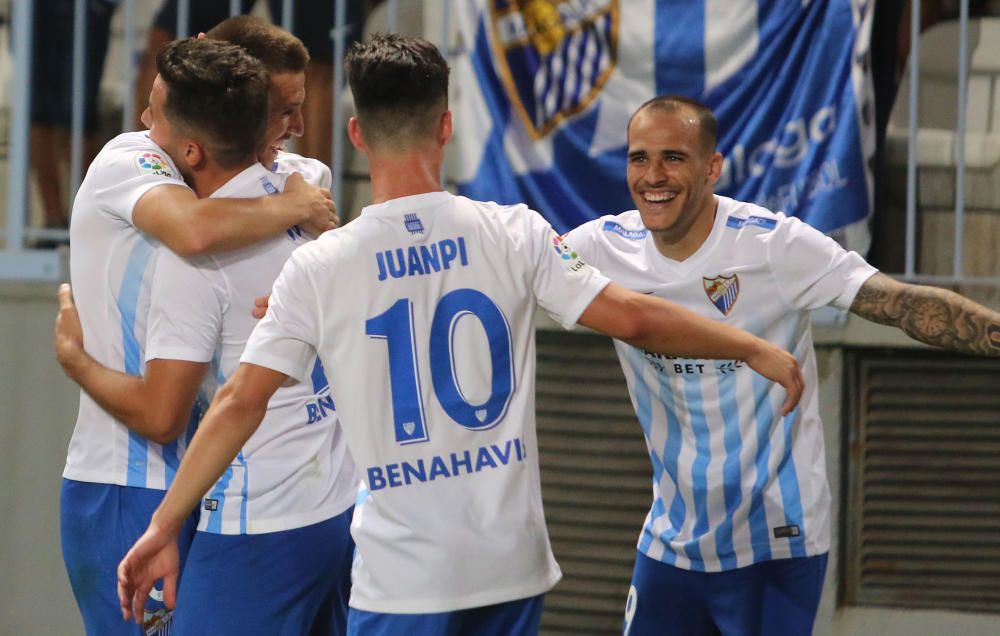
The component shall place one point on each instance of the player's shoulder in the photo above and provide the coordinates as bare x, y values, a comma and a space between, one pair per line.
622, 233
137, 155
312, 170
745, 216
625, 228
332, 251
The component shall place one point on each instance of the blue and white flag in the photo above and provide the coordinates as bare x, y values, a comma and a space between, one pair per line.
545, 88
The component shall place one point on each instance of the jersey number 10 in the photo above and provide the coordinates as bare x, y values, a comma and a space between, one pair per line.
395, 326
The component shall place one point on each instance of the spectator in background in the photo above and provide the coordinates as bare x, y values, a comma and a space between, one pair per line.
52, 98
313, 23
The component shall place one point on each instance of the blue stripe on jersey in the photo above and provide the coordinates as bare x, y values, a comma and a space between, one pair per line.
219, 495
790, 495
671, 455
216, 365
668, 463
643, 414
128, 302
169, 462
699, 468
731, 474
764, 416
243, 493
198, 412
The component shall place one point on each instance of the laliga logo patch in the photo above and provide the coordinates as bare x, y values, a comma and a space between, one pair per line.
152, 163
722, 291
564, 251
553, 57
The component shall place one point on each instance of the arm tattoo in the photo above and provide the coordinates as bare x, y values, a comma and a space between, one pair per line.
931, 315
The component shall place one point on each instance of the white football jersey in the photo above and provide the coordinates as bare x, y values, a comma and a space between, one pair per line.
312, 170
734, 483
111, 265
294, 470
422, 311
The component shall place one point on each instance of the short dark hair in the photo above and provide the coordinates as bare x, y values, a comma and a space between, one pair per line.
400, 88
276, 48
708, 126
217, 92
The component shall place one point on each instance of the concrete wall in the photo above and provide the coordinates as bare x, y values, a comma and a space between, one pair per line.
37, 411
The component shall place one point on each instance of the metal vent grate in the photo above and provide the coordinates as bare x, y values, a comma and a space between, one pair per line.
923, 520
596, 480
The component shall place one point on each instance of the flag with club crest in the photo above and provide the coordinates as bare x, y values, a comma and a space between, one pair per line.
543, 90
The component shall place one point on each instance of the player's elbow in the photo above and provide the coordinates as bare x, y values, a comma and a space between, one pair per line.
634, 325
166, 428
191, 242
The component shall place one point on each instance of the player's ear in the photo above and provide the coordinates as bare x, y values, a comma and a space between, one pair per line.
444, 128
194, 154
714, 168
354, 134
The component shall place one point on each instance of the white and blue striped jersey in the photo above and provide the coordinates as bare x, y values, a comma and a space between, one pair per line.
734, 483
422, 311
294, 470
111, 265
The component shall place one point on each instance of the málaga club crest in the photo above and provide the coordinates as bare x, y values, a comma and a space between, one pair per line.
553, 56
722, 291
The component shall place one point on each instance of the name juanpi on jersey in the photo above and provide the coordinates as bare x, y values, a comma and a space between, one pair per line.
419, 260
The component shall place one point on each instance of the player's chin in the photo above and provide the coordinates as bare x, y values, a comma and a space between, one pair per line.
268, 155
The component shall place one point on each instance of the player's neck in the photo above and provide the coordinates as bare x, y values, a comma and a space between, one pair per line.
678, 245
205, 182
404, 175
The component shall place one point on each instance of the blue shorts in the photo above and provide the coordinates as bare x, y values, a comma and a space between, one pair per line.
99, 523
774, 598
293, 582
514, 618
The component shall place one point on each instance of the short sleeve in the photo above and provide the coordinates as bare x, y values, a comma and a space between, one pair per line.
812, 270
564, 284
286, 338
187, 306
583, 240
127, 173
313, 171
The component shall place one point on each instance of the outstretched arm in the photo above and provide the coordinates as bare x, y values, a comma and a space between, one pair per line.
662, 327
931, 315
233, 417
190, 226
156, 405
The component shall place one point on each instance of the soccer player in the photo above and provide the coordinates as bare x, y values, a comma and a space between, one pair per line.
131, 199
273, 550
737, 537
422, 311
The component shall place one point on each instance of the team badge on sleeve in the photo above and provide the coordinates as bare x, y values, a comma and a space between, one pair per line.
722, 291
153, 163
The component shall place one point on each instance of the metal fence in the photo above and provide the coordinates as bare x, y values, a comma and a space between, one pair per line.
19, 261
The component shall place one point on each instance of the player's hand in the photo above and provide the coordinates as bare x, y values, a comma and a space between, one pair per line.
319, 210
260, 307
154, 556
774, 363
68, 331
